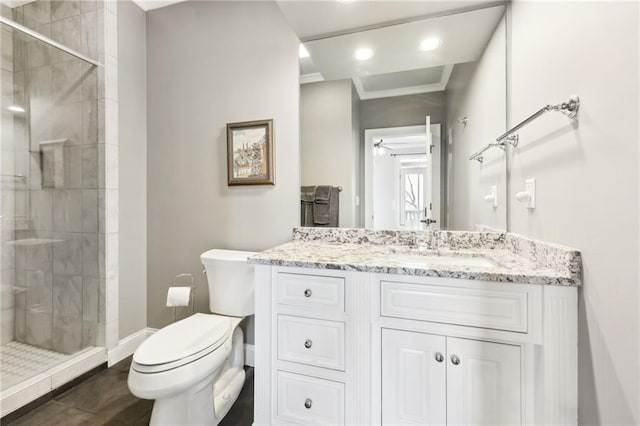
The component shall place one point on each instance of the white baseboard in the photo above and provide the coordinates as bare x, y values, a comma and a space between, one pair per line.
127, 346
249, 355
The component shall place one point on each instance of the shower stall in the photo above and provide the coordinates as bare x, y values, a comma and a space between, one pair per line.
52, 195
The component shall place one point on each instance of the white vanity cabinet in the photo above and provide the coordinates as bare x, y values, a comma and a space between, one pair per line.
360, 348
434, 380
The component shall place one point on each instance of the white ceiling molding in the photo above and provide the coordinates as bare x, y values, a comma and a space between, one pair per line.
311, 78
148, 5
402, 91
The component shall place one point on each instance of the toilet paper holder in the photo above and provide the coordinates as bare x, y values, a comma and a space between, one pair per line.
191, 294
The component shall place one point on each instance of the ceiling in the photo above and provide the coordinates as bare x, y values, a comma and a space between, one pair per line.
398, 66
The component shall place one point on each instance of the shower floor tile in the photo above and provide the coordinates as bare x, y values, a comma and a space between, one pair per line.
19, 361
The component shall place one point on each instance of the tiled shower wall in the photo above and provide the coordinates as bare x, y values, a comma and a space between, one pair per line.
65, 256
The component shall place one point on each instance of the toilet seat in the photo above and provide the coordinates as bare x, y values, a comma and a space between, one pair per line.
181, 343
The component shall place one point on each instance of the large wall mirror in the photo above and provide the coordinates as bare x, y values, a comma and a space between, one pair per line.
390, 113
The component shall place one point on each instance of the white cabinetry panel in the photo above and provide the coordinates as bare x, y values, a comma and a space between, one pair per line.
484, 387
309, 400
500, 310
311, 341
413, 380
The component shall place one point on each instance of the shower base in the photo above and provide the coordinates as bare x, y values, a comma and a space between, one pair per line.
28, 372
19, 361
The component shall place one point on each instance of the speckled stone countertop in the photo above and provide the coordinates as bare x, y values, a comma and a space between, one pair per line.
487, 256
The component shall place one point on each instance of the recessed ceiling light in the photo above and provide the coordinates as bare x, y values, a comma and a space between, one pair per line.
345, 1
430, 43
15, 108
363, 54
302, 51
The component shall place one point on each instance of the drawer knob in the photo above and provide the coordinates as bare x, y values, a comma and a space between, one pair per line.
455, 360
308, 343
308, 403
307, 293
439, 357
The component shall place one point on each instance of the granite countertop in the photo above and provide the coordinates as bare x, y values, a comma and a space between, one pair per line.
487, 256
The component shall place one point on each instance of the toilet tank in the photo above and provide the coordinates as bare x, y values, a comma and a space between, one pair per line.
230, 280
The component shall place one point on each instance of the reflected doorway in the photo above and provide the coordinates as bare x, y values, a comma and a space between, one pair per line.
402, 177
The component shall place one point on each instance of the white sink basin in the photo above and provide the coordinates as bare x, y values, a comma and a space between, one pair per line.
437, 260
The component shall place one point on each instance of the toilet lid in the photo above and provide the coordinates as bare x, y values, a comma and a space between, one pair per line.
183, 339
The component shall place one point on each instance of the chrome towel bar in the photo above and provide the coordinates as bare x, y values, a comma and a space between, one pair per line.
569, 108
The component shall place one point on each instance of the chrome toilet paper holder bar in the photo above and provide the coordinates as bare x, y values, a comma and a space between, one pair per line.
191, 294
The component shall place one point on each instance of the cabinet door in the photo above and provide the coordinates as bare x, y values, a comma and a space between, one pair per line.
413, 378
483, 383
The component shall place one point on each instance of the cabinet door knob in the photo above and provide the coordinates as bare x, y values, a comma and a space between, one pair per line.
308, 403
307, 293
439, 357
308, 343
455, 360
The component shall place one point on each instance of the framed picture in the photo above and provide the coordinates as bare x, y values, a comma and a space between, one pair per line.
250, 153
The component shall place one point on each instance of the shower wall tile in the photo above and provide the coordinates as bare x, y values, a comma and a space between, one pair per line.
35, 172
67, 210
88, 6
66, 81
90, 253
90, 122
89, 82
41, 210
7, 326
6, 11
90, 166
67, 313
90, 299
20, 325
7, 295
90, 211
108, 166
38, 257
61, 9
6, 52
67, 123
89, 333
72, 167
36, 14
38, 53
38, 330
89, 34
67, 254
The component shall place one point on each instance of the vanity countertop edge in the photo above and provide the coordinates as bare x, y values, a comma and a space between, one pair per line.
491, 256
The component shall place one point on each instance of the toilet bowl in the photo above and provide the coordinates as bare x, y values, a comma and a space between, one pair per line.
194, 368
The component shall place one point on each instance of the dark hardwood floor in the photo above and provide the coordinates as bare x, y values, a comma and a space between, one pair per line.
104, 399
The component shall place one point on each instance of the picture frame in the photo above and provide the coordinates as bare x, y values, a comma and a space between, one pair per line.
250, 153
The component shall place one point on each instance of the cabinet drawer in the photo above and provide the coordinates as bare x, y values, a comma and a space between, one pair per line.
494, 309
311, 341
311, 291
309, 400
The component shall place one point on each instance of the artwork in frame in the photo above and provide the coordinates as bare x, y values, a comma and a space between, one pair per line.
250, 153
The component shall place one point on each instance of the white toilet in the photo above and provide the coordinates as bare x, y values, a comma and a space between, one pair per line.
194, 368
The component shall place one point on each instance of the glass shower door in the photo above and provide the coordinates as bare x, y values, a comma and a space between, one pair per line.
49, 207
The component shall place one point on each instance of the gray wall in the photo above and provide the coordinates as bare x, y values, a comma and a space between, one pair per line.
469, 88
398, 111
132, 122
212, 63
587, 179
328, 150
